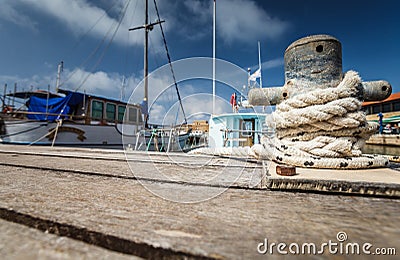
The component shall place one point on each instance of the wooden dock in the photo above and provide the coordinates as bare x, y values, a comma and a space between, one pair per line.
91, 203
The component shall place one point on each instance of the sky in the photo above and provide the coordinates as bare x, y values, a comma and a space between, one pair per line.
92, 38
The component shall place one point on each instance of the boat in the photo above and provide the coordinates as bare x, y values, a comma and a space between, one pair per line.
236, 129
71, 118
387, 114
161, 139
158, 137
68, 118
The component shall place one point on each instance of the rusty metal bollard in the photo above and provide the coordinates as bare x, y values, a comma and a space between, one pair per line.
314, 62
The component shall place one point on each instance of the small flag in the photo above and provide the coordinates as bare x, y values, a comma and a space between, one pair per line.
255, 75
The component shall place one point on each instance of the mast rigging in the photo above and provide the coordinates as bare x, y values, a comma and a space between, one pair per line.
170, 64
148, 27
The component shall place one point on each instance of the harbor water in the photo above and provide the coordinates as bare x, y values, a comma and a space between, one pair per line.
381, 149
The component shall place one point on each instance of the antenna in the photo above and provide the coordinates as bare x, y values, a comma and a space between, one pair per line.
4, 97
248, 78
122, 94
60, 69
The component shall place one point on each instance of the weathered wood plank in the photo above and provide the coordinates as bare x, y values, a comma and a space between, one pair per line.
230, 225
21, 242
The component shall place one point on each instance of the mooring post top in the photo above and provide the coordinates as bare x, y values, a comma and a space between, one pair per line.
311, 38
314, 62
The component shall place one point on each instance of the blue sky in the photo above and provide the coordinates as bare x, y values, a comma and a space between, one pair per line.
37, 34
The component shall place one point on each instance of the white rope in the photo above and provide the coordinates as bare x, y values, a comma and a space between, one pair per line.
59, 123
48, 134
323, 128
225, 151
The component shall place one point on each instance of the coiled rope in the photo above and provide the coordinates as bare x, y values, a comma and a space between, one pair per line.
323, 128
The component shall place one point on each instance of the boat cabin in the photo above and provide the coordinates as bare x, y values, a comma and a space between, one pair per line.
235, 129
74, 106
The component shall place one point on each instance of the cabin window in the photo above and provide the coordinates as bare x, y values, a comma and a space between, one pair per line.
110, 111
376, 109
386, 107
121, 113
97, 109
396, 106
247, 127
132, 114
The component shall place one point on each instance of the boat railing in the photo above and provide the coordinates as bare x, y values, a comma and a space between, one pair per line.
230, 137
266, 132
147, 138
21, 112
67, 117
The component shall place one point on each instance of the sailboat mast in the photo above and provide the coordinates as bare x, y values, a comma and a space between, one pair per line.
147, 28
213, 80
259, 63
146, 56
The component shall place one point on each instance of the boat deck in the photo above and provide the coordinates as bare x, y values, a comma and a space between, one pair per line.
89, 203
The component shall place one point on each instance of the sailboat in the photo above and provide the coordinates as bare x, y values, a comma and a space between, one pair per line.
72, 118
67, 118
157, 137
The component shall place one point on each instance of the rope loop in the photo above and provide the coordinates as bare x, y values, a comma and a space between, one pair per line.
323, 128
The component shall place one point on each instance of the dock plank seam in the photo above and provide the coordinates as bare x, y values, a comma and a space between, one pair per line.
256, 164
107, 175
96, 238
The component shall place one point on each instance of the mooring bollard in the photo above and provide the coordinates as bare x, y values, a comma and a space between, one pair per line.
310, 63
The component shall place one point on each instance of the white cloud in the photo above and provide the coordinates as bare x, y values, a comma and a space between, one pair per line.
158, 115
98, 83
202, 9
23, 83
269, 64
197, 106
197, 21
83, 17
273, 63
246, 21
9, 12
241, 21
